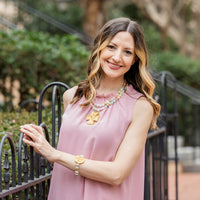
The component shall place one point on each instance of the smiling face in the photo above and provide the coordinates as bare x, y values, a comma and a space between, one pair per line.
118, 56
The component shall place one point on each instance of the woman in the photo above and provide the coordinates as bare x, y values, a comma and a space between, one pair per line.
100, 153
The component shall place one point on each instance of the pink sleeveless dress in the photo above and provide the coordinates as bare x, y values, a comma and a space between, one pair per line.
98, 142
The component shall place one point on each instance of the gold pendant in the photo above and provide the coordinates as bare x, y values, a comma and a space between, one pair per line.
94, 117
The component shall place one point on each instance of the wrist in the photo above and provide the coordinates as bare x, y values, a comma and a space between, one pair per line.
79, 160
53, 156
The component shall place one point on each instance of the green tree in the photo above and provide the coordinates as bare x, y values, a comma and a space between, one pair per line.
36, 58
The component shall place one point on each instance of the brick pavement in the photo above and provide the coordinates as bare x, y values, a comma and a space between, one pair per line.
188, 186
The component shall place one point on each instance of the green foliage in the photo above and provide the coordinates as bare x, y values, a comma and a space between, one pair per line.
186, 12
65, 12
184, 69
36, 59
10, 122
131, 11
152, 37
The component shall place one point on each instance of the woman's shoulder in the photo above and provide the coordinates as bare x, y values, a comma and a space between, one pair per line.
143, 107
68, 95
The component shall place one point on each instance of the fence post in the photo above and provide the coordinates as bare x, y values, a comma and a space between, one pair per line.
168, 79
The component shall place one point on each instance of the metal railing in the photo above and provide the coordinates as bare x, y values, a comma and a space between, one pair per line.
33, 175
155, 166
30, 178
7, 23
23, 182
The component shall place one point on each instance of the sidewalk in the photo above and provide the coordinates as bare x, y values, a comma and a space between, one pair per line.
188, 186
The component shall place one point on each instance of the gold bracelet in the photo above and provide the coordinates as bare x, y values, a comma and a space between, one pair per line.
79, 160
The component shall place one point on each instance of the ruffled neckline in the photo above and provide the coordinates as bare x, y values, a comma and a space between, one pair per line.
111, 94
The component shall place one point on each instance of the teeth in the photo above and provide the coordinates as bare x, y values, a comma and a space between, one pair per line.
113, 65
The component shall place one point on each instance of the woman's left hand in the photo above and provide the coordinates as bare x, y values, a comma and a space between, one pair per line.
34, 136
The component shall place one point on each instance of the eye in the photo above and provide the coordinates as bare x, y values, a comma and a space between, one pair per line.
111, 47
128, 52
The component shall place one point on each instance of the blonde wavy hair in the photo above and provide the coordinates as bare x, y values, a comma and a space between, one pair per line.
138, 75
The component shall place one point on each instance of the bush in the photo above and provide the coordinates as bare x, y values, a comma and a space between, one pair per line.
10, 122
35, 59
184, 69
69, 13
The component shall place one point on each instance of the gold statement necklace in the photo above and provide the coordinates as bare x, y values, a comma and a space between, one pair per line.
94, 117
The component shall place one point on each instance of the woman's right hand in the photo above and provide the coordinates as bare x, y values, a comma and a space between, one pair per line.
34, 136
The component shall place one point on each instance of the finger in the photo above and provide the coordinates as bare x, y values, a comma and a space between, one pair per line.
25, 125
28, 133
29, 142
30, 128
27, 137
33, 128
38, 128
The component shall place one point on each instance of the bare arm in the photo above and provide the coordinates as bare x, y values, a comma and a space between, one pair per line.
108, 172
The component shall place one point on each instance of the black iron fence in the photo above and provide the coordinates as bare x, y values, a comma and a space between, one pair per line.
30, 177
156, 187
24, 182
156, 160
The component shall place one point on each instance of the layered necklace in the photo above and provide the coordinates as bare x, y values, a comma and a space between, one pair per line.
94, 116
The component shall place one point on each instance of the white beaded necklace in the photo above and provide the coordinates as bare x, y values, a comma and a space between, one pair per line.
94, 117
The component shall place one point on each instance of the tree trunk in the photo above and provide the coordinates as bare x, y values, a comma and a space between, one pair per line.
169, 16
196, 49
94, 16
